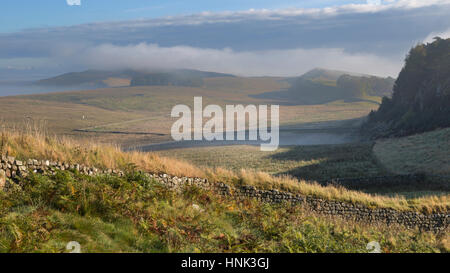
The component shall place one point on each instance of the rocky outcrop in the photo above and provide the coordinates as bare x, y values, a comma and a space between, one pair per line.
421, 98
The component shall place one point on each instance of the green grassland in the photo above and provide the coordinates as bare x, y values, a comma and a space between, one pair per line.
315, 162
427, 153
134, 214
423, 153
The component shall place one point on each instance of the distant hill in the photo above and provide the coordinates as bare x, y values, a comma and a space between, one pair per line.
189, 78
421, 98
318, 74
98, 78
320, 86
94, 78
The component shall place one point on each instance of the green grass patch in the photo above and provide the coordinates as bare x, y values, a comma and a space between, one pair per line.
316, 162
426, 153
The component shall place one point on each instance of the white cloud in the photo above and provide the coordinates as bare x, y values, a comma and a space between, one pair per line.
206, 17
442, 34
73, 2
374, 2
368, 38
289, 62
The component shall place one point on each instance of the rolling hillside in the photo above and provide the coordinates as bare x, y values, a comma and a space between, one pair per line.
93, 78
323, 75
146, 109
421, 153
321, 86
98, 79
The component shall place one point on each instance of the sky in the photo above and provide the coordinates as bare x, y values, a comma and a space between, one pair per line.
243, 37
23, 14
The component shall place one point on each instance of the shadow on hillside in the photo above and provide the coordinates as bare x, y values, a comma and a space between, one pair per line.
286, 97
332, 125
289, 97
328, 162
353, 166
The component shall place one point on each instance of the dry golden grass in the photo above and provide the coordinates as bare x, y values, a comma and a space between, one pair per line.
36, 144
427, 153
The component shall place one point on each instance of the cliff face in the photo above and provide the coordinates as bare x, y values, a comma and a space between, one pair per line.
421, 98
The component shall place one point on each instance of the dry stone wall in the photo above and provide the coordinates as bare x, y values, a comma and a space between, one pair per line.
12, 168
436, 222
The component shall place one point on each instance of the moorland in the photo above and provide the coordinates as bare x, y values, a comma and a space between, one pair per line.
400, 132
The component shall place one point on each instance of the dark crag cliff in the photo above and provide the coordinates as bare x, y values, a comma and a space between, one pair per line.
421, 98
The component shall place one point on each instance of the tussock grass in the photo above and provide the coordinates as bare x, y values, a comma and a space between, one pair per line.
35, 144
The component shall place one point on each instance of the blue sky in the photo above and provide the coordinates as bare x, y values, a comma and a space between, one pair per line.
243, 37
22, 14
